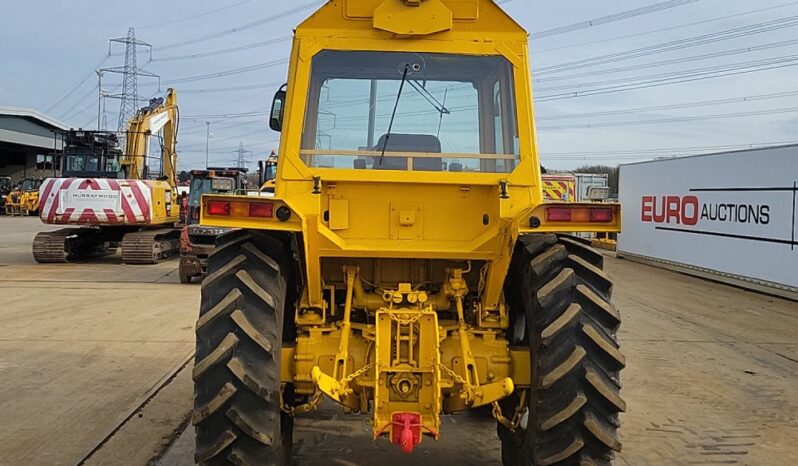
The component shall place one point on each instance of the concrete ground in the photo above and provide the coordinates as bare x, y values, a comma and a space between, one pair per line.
95, 366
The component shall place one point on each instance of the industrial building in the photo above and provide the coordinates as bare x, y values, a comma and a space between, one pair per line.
28, 146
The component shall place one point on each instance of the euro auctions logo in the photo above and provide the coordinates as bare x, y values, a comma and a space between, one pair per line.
689, 210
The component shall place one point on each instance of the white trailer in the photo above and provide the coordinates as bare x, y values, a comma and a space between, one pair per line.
730, 217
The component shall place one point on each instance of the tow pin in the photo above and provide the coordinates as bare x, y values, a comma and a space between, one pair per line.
503, 187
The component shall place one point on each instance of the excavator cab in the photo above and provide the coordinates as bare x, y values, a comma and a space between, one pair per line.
91, 154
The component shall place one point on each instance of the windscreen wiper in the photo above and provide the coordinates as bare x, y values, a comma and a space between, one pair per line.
440, 107
393, 115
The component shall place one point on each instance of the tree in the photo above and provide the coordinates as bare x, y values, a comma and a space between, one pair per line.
611, 172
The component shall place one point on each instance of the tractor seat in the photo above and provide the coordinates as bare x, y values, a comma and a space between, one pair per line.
409, 143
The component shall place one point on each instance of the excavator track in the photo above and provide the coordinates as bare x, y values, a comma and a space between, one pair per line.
69, 244
150, 246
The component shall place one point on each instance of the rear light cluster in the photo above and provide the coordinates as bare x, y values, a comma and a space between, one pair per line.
579, 214
240, 209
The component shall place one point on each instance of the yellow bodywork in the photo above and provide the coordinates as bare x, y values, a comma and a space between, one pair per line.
423, 255
159, 116
23, 201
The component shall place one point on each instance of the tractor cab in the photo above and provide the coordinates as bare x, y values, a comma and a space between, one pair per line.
197, 241
30, 184
213, 181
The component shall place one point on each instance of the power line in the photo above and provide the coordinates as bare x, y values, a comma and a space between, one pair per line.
680, 44
705, 103
674, 61
225, 51
670, 79
245, 69
612, 18
259, 22
670, 46
647, 81
91, 105
198, 15
77, 86
673, 149
671, 28
675, 74
69, 111
671, 120
640, 82
232, 88
230, 138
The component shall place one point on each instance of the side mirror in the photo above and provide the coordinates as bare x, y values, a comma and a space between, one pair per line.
261, 173
278, 108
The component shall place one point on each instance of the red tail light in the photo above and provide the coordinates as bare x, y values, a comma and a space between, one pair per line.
601, 215
579, 214
558, 214
261, 209
218, 208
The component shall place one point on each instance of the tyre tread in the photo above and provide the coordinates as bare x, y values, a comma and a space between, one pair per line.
237, 416
576, 358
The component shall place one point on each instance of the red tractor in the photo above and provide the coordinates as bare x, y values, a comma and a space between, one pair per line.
197, 242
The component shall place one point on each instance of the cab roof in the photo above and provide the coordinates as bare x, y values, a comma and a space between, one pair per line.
441, 19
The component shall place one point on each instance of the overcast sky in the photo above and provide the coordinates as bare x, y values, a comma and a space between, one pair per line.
738, 84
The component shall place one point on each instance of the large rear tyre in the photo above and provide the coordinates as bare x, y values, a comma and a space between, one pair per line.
237, 413
559, 299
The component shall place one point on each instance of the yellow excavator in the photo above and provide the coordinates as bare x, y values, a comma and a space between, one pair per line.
110, 197
407, 266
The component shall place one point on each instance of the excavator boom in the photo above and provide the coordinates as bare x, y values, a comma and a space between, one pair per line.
162, 114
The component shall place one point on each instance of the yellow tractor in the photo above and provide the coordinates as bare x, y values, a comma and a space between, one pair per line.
407, 266
24, 199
